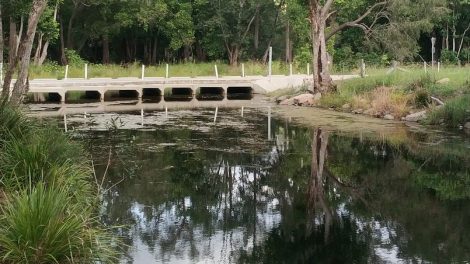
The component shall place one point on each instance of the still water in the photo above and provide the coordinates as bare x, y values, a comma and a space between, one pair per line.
183, 189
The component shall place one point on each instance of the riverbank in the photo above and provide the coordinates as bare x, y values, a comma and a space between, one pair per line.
409, 94
48, 200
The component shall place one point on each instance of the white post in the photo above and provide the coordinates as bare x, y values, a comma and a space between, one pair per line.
216, 72
65, 122
308, 69
425, 67
166, 112
438, 66
243, 110
167, 70
270, 71
86, 71
269, 123
143, 71
243, 70
215, 114
363, 69
66, 76
142, 116
290, 69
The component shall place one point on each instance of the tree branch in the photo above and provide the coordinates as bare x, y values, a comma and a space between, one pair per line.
354, 23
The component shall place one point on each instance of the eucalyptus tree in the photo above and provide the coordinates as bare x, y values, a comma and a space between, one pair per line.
21, 46
383, 20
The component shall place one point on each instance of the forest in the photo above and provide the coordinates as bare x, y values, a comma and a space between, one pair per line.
151, 32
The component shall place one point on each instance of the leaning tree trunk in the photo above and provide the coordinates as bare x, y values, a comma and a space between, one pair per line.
24, 52
322, 82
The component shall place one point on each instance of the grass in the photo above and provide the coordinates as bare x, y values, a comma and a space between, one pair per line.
403, 92
252, 68
454, 113
43, 225
47, 201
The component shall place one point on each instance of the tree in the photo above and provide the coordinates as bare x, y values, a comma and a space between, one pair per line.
23, 55
376, 19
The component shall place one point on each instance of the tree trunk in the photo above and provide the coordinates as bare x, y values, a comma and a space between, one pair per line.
128, 50
153, 61
37, 54
63, 57
105, 43
288, 58
256, 35
45, 47
12, 41
69, 27
24, 53
233, 55
1, 38
322, 82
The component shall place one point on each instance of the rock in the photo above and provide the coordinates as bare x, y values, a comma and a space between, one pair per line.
442, 81
467, 125
346, 106
389, 117
370, 112
416, 117
281, 98
307, 99
303, 99
358, 111
289, 101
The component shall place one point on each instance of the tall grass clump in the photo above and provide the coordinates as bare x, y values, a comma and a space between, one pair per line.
47, 201
454, 113
43, 225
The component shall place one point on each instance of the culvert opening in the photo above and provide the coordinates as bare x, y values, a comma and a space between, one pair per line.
178, 94
121, 95
82, 97
239, 93
43, 98
210, 94
151, 95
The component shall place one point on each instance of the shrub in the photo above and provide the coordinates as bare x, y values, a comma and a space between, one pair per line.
422, 98
455, 112
73, 58
449, 57
42, 225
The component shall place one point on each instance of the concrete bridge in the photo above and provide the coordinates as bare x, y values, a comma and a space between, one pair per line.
170, 89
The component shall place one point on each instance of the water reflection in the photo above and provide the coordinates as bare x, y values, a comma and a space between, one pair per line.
227, 194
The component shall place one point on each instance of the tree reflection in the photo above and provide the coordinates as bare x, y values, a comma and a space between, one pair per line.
232, 196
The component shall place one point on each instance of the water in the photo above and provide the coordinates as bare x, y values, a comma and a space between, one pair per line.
182, 189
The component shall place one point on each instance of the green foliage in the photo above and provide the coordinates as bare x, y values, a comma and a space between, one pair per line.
43, 225
47, 198
449, 57
455, 112
73, 58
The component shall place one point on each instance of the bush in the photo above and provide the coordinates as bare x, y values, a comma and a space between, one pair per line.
73, 58
47, 197
42, 225
455, 112
449, 57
